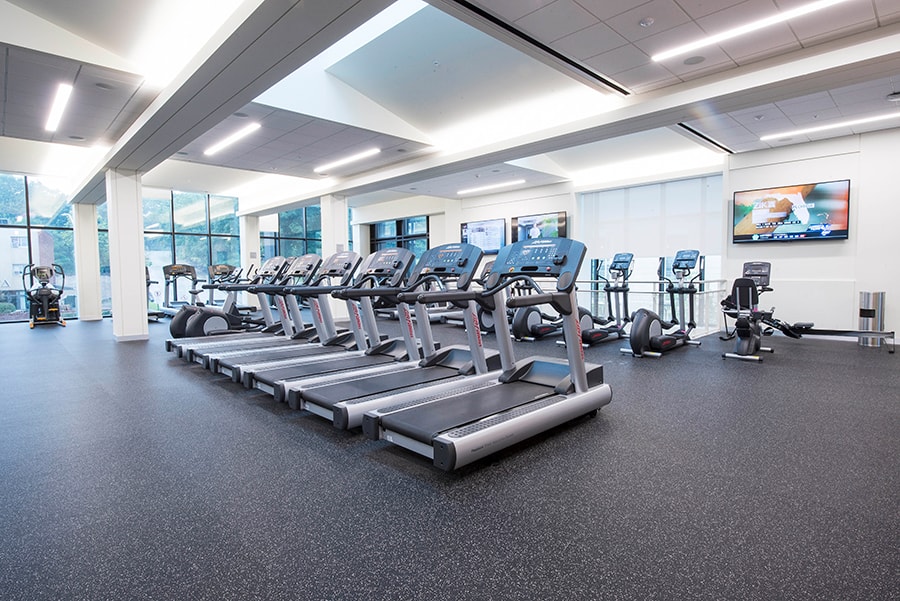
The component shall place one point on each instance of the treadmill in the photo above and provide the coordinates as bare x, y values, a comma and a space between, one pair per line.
385, 268
334, 273
345, 402
529, 396
285, 327
268, 272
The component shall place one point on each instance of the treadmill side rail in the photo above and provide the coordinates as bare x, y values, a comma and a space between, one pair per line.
456, 448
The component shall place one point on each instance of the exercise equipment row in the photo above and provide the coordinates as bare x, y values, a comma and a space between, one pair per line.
454, 404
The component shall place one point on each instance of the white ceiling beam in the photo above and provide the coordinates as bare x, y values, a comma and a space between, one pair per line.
845, 62
251, 53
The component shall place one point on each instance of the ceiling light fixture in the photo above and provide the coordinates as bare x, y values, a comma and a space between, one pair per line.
849, 123
239, 134
745, 29
514, 182
893, 97
63, 92
347, 160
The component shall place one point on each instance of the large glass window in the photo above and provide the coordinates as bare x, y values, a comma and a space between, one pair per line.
189, 212
35, 228
411, 233
223, 217
12, 200
298, 231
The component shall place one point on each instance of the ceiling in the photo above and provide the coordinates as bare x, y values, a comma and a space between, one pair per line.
456, 93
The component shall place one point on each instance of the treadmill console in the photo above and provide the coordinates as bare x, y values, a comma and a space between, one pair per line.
270, 267
179, 270
685, 260
621, 263
220, 270
758, 271
541, 257
303, 267
449, 261
388, 265
339, 266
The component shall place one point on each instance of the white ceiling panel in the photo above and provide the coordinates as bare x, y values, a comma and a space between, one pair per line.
700, 8
663, 14
512, 10
556, 20
590, 41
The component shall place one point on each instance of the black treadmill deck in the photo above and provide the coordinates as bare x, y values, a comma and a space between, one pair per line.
307, 370
424, 422
331, 395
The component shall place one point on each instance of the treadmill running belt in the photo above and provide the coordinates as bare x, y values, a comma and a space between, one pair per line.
424, 422
329, 396
306, 370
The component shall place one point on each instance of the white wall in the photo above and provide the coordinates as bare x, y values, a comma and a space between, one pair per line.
442, 216
821, 281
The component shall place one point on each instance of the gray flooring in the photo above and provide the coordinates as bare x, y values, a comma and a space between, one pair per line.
129, 474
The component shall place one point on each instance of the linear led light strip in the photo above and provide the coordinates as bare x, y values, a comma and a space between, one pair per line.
347, 160
63, 92
850, 123
748, 28
241, 133
515, 182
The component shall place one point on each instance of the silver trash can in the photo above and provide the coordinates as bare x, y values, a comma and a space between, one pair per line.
871, 316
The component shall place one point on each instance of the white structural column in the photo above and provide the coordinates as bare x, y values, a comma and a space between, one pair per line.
334, 236
126, 255
249, 225
87, 262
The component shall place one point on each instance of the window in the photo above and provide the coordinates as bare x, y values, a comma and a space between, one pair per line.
188, 227
299, 232
36, 227
413, 234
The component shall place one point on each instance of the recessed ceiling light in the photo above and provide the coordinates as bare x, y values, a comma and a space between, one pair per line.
745, 29
241, 133
76, 138
694, 60
893, 97
646, 22
63, 93
241, 115
836, 125
347, 160
181, 153
104, 86
759, 117
515, 182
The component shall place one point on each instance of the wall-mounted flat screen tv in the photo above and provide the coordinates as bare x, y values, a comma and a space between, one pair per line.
819, 211
489, 235
547, 225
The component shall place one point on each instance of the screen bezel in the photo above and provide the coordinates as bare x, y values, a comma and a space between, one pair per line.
562, 225
500, 222
842, 234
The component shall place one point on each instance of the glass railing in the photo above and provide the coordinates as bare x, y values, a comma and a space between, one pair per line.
651, 294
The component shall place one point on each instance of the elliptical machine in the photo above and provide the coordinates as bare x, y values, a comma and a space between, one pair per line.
651, 336
613, 326
43, 296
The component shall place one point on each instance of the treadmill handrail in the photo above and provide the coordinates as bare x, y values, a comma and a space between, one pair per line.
558, 300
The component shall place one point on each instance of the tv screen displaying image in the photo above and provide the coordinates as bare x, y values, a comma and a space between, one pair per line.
488, 235
818, 211
548, 225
